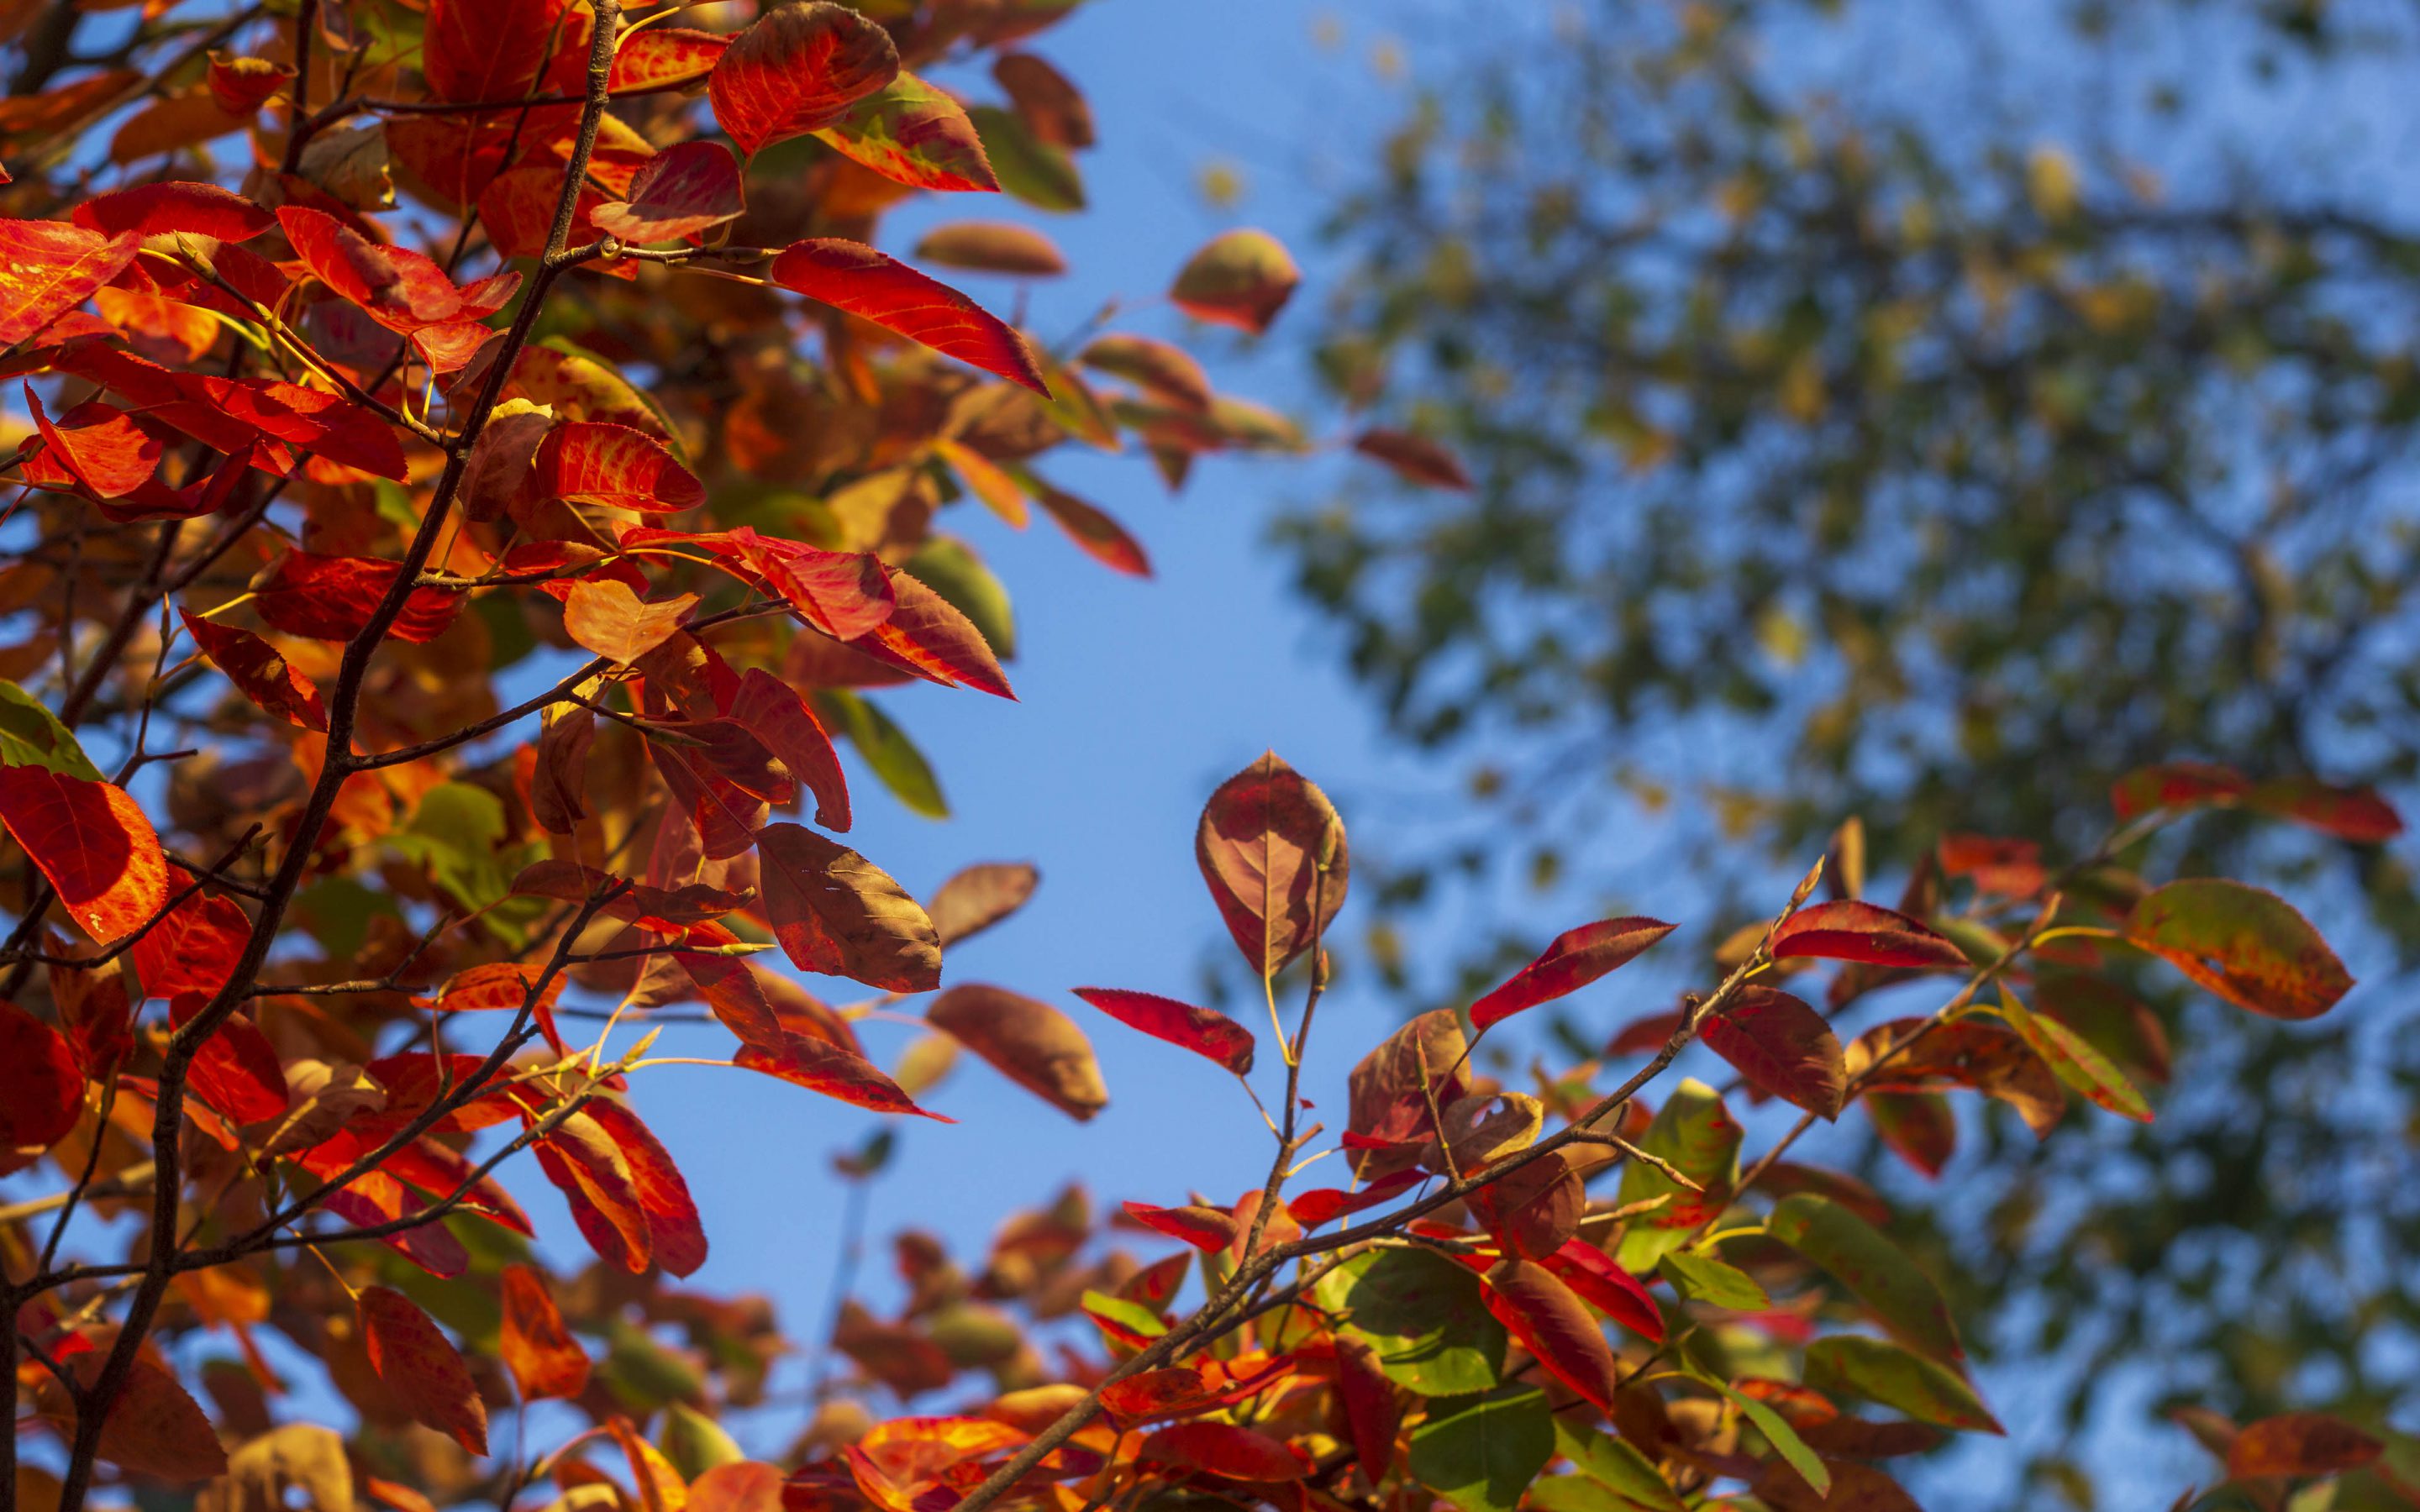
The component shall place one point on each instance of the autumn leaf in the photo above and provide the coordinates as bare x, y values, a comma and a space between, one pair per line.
260, 672
675, 1238
1030, 1043
1877, 1271
834, 1071
92, 842
607, 618
1783, 1046
596, 462
776, 715
1324, 1205
797, 69
1848, 930
421, 1367
48, 268
851, 276
661, 56
975, 899
837, 912
2300, 1443
1272, 851
98, 445
173, 207
1414, 459
1206, 1230
1603, 1283
41, 1087
1222, 1449
2241, 944
154, 1428
682, 190
992, 247
1241, 279
545, 1360
331, 599
917, 134
1547, 1319
1577, 957
1205, 1031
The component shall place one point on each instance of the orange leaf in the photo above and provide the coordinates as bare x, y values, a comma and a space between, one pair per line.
1030, 1043
607, 618
675, 1238
2242, 943
155, 1428
419, 1364
544, 1358
833, 1070
48, 268
2300, 1443
595, 462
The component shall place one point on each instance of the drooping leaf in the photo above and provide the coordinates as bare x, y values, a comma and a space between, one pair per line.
154, 1428
603, 615
851, 276
1605, 1286
1205, 1031
1102, 537
331, 599
1877, 1271
2241, 944
677, 1238
1480, 1452
1240, 279
544, 1358
1577, 957
1423, 1313
98, 445
1030, 1043
776, 715
797, 69
1697, 1134
1415, 458
1779, 1433
686, 189
837, 912
833, 1070
1896, 1378
1783, 1046
260, 672
1272, 850
2074, 1060
1847, 930
2357, 814
93, 843
173, 207
421, 1367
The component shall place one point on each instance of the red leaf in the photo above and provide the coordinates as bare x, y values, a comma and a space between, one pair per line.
1917, 1126
260, 672
741, 1485
1264, 839
166, 209
1782, 1045
477, 51
797, 69
94, 845
1030, 1043
773, 710
1373, 1409
593, 462
589, 1169
1206, 1230
821, 1066
236, 1070
41, 1088
241, 85
677, 1239
196, 948
48, 268
1414, 459
1102, 537
661, 56
155, 1428
838, 913
419, 1364
2176, 785
1577, 957
927, 634
1848, 930
682, 190
851, 276
2357, 814
1326, 1204
1607, 1287
402, 289
99, 445
915, 134
1222, 1449
544, 1358
1547, 1317
2300, 1443
331, 599
1205, 1031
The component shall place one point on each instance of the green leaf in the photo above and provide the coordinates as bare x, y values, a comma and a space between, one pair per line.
2241, 944
1705, 1279
1423, 1314
1877, 1271
1784, 1439
1042, 176
31, 736
1480, 1452
695, 1443
1131, 1314
1577, 1493
886, 747
2073, 1060
1894, 1377
949, 567
454, 833
1701, 1138
916, 134
1617, 1465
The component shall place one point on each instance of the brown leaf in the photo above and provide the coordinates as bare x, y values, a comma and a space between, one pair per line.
2300, 1443
419, 1364
1272, 850
835, 911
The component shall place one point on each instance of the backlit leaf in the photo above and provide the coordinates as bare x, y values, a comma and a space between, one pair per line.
421, 1367
1222, 1449
93, 843
1205, 1031
1577, 957
41, 1088
2242, 943
1423, 1313
2074, 1061
682, 190
48, 268
544, 1358
797, 69
1697, 1134
851, 276
1241, 279
1206, 1229
1887, 1374
1782, 1045
914, 133
260, 672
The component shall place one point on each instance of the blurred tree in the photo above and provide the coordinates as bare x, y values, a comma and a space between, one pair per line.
1869, 413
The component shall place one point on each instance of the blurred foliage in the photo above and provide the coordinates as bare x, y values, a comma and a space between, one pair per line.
1874, 410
